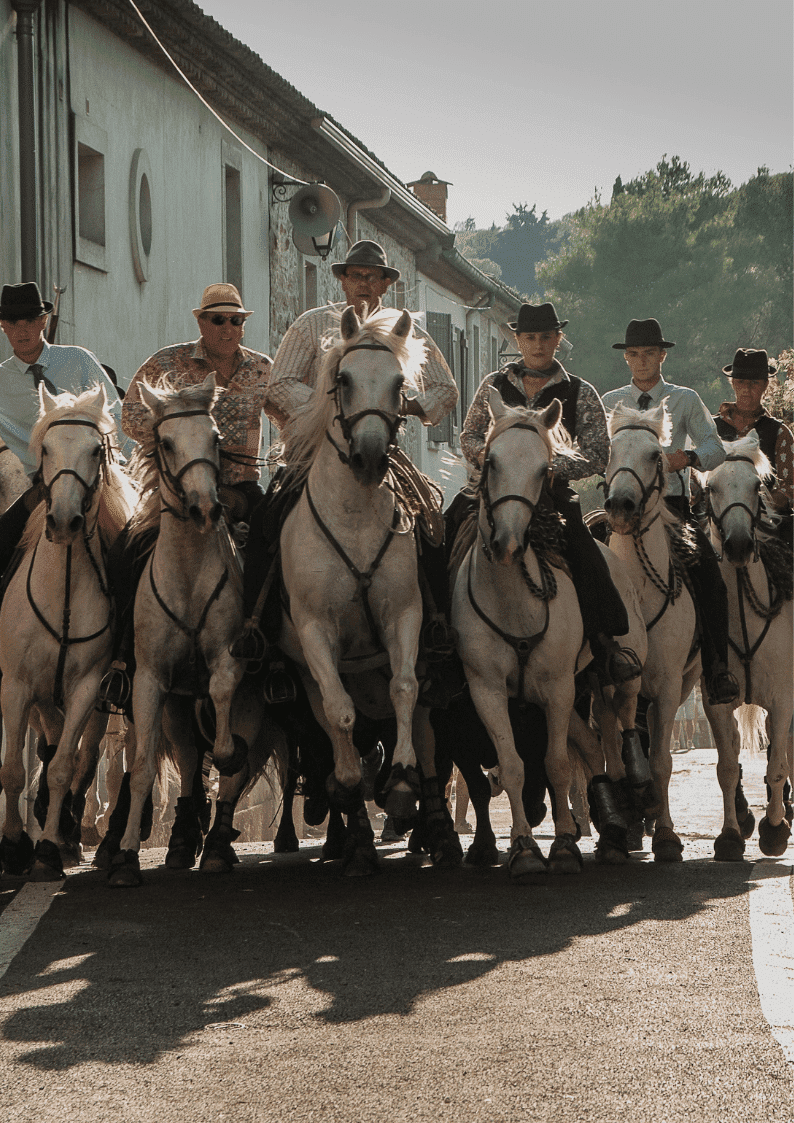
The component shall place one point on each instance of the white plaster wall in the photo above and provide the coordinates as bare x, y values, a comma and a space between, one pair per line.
9, 157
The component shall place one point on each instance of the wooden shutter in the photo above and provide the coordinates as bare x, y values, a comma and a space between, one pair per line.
439, 327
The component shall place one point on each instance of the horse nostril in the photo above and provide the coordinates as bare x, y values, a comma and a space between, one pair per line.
50, 522
76, 523
216, 513
195, 514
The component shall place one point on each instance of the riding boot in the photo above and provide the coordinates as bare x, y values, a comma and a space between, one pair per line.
126, 562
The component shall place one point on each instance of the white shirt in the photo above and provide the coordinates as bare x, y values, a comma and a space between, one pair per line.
68, 368
690, 420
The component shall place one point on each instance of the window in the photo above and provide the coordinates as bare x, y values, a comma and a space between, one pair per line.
309, 285
232, 216
89, 158
399, 294
494, 354
140, 213
439, 326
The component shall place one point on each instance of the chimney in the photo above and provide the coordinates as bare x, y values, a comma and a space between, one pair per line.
433, 193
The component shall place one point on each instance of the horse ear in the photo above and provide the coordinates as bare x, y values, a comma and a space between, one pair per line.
351, 325
100, 398
148, 397
496, 404
208, 385
404, 325
46, 400
551, 414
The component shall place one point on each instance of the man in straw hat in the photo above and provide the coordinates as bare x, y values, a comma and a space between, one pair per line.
23, 319
365, 277
242, 375
749, 377
645, 350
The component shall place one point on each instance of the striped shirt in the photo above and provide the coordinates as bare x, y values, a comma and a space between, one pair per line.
298, 359
237, 412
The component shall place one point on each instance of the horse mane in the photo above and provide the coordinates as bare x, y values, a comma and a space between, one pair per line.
748, 446
118, 498
142, 465
306, 429
623, 415
556, 439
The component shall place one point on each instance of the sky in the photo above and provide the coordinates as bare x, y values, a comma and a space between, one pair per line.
538, 103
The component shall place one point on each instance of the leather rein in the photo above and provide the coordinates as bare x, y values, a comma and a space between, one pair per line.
63, 638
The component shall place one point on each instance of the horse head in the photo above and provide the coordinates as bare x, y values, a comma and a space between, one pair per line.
186, 450
517, 463
72, 441
733, 498
367, 390
636, 473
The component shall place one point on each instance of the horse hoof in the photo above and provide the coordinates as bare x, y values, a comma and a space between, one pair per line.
525, 861
47, 863
667, 846
288, 845
482, 854
362, 861
125, 870
237, 760
343, 798
72, 854
747, 825
180, 858
402, 791
219, 859
773, 840
564, 855
635, 834
609, 855
107, 851
16, 858
729, 846
447, 853
333, 849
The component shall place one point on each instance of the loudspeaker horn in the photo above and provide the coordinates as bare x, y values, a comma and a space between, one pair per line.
314, 210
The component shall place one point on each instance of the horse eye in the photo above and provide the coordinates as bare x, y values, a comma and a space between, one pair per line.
45, 451
167, 445
343, 380
95, 453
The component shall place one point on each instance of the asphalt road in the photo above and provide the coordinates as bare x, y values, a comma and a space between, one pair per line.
285, 992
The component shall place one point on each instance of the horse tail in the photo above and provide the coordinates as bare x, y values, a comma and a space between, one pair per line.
752, 728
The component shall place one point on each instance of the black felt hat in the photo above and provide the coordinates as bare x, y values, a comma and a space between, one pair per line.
542, 317
751, 365
366, 253
643, 333
22, 302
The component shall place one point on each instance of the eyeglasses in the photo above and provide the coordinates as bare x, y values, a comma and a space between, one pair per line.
236, 321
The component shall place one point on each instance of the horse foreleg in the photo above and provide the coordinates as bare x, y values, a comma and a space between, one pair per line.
729, 845
774, 829
491, 703
666, 845
231, 751
335, 710
16, 702
564, 856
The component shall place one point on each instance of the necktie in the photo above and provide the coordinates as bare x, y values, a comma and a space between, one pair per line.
644, 402
37, 370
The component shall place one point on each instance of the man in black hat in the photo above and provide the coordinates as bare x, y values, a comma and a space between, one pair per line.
365, 276
645, 350
534, 382
749, 376
23, 319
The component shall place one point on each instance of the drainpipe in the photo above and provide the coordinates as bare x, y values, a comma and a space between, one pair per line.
364, 205
25, 10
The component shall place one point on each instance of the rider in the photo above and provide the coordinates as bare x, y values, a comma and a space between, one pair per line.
749, 376
242, 376
645, 350
365, 276
23, 319
534, 382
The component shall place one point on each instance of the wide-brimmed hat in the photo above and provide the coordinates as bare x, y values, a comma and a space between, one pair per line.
751, 365
541, 318
643, 333
221, 298
22, 302
366, 253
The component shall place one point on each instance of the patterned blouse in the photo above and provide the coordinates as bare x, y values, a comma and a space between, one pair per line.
784, 446
237, 412
591, 424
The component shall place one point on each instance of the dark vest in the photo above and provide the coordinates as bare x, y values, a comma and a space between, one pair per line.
766, 427
566, 392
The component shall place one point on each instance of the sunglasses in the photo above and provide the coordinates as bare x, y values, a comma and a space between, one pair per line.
236, 321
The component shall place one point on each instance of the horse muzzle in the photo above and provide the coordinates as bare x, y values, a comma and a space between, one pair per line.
738, 549
369, 459
623, 513
205, 511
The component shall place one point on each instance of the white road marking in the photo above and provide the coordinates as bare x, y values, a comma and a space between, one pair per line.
18, 921
772, 930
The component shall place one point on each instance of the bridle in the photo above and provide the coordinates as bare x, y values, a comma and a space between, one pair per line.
646, 492
755, 516
393, 421
490, 505
89, 489
173, 480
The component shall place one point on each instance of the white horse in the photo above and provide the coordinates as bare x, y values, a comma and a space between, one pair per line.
349, 563
13, 478
519, 624
641, 523
188, 606
760, 637
47, 661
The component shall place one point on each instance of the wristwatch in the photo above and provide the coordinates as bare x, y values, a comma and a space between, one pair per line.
692, 458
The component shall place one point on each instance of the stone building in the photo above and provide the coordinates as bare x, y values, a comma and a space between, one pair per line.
121, 187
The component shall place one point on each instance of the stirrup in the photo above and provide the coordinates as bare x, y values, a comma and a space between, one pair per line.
115, 689
722, 688
279, 685
439, 639
620, 665
251, 645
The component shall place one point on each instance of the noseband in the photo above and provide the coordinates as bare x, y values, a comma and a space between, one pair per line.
490, 506
755, 516
90, 489
658, 479
174, 480
393, 421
